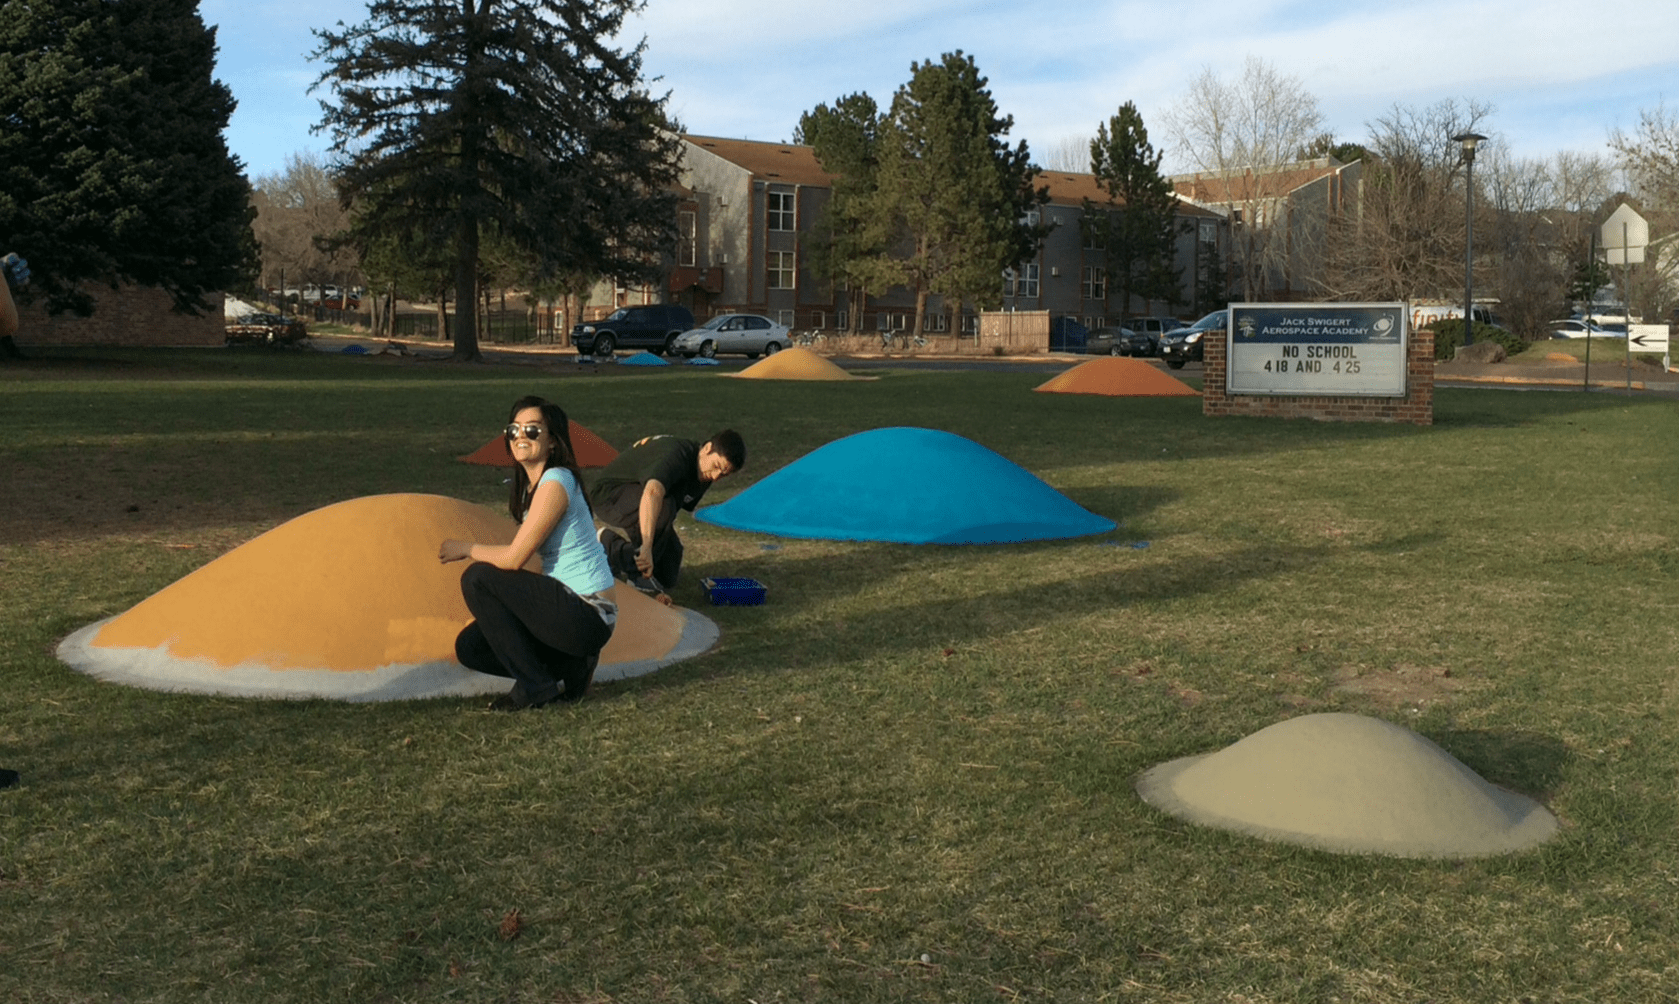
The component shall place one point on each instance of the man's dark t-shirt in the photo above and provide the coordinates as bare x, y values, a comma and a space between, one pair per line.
673, 462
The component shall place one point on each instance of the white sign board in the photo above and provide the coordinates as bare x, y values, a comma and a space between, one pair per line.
1624, 236
1323, 349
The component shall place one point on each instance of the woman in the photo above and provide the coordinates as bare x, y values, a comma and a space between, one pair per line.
544, 630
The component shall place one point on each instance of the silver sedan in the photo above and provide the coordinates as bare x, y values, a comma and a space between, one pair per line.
750, 335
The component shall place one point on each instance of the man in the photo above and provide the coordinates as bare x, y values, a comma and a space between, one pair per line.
636, 497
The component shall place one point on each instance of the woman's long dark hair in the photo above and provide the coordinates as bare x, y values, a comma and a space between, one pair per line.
559, 427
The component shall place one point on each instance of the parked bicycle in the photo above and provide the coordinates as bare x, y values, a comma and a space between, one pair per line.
811, 337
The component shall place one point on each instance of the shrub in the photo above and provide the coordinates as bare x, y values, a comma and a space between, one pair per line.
1448, 335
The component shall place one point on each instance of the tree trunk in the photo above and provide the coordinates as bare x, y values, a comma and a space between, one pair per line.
920, 308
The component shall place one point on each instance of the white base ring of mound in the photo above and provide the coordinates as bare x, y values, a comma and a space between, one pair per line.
152, 669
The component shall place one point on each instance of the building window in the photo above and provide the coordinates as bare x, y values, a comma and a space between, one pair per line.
841, 320
1093, 282
1208, 232
781, 210
936, 320
784, 318
687, 242
1026, 281
781, 269
1096, 232
1094, 323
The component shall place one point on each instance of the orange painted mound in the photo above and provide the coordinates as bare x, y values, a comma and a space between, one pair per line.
1117, 376
592, 451
795, 363
348, 601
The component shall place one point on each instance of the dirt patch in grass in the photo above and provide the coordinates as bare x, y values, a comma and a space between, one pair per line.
1400, 686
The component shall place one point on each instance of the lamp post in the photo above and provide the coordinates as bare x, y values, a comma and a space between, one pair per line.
1468, 139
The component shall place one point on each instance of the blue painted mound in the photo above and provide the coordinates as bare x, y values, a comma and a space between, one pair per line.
909, 486
643, 359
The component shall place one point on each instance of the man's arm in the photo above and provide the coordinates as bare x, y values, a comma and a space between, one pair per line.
652, 504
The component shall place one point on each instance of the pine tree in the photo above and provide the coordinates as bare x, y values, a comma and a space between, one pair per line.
957, 193
1140, 238
456, 119
850, 234
113, 167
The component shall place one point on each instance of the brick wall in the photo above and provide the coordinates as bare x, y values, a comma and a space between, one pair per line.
131, 315
1416, 408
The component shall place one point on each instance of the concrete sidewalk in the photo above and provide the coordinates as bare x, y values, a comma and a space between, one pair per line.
1611, 374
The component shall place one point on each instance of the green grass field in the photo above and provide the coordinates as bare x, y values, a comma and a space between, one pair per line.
906, 778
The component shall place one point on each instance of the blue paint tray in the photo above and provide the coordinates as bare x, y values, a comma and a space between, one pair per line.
734, 592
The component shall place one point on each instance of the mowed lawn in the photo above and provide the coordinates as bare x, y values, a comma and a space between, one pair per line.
908, 777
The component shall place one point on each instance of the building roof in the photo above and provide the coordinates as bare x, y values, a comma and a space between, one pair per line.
1243, 184
789, 163
1070, 189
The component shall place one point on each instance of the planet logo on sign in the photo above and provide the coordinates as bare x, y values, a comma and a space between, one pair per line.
1382, 326
1245, 325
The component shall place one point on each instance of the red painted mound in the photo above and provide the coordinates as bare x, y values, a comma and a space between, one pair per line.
592, 451
1117, 376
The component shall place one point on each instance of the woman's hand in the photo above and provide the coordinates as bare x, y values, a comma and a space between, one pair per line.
454, 550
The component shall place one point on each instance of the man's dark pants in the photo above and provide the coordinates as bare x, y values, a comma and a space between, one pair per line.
622, 509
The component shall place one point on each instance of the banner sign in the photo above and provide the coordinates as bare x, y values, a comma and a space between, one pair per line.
1323, 349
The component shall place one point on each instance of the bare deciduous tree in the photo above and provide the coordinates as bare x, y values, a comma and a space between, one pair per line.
1238, 134
1070, 154
1650, 156
1406, 240
294, 209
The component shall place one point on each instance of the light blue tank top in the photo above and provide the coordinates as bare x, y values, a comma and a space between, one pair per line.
572, 553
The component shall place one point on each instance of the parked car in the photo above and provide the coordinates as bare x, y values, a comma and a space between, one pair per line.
266, 329
1574, 328
1108, 341
1153, 326
751, 335
1185, 344
653, 327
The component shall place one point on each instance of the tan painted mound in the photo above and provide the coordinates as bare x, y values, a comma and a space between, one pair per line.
796, 363
1348, 783
1117, 376
348, 601
592, 451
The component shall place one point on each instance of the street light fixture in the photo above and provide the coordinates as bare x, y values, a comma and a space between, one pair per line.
1468, 139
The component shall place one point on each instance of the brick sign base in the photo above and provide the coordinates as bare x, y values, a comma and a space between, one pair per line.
1416, 408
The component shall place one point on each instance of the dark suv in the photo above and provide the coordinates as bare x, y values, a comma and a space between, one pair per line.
651, 327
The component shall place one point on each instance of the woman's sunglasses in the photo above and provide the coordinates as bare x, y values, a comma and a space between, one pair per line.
530, 431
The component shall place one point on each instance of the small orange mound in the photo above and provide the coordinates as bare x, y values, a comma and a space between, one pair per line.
795, 364
1560, 357
1117, 376
348, 601
592, 451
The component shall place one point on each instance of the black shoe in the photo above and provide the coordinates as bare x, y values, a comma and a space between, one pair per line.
577, 684
11, 778
518, 700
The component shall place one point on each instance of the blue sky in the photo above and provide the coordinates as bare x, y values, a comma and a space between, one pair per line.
1560, 75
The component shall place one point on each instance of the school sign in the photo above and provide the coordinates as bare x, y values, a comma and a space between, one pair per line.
1335, 362
1339, 349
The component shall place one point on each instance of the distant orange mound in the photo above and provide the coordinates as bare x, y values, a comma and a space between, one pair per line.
349, 602
592, 451
795, 364
1117, 376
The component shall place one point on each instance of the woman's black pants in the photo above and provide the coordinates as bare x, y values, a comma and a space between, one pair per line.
532, 628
